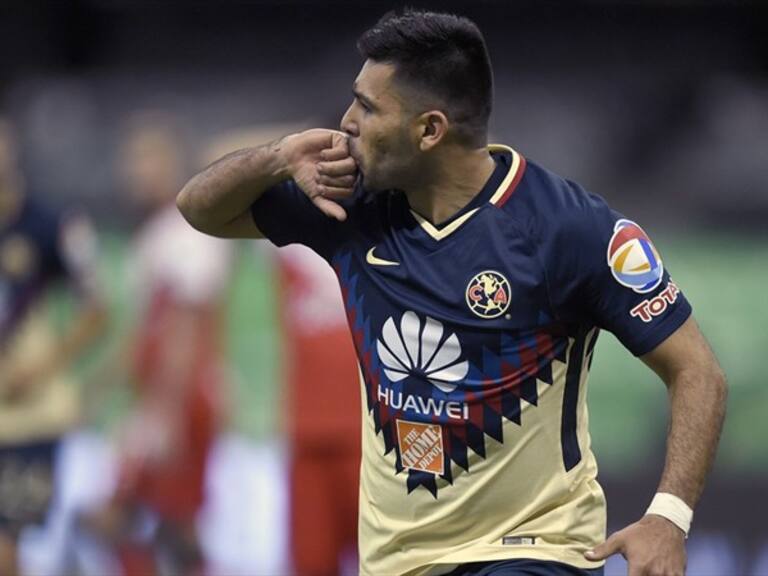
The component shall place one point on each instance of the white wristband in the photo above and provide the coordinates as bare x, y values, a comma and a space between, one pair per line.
673, 509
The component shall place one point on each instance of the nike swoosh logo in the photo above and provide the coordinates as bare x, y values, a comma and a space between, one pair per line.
371, 259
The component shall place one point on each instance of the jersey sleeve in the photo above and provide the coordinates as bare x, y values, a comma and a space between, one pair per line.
203, 279
285, 215
605, 270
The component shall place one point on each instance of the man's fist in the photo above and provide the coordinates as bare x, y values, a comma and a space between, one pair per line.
319, 161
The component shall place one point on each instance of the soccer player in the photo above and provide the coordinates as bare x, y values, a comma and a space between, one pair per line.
475, 284
40, 250
177, 364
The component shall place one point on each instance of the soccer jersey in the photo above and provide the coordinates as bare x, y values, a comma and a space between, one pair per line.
324, 434
165, 282
176, 269
474, 340
38, 250
313, 322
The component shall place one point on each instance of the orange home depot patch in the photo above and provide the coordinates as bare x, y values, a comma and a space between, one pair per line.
421, 446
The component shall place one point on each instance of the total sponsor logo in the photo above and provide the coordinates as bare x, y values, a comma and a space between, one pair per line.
647, 310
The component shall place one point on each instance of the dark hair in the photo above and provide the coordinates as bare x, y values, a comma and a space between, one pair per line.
445, 56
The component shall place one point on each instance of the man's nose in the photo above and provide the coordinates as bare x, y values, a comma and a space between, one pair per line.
347, 124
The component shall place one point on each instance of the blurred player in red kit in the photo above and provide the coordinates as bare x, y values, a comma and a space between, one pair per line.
176, 354
324, 434
40, 250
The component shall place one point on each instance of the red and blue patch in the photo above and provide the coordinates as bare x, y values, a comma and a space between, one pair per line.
633, 259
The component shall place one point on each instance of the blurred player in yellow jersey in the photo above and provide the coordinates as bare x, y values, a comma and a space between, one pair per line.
39, 251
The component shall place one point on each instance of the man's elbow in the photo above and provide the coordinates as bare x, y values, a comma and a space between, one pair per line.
713, 384
719, 394
720, 384
192, 214
184, 202
707, 381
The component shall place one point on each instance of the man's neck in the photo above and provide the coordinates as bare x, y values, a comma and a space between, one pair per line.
452, 184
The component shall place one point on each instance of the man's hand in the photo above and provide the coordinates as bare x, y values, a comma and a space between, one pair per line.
652, 546
319, 161
219, 199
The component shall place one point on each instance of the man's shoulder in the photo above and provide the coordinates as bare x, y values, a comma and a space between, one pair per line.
552, 205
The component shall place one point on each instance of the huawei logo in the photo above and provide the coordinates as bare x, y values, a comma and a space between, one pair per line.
418, 348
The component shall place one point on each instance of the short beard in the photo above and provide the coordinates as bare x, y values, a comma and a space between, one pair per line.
368, 190
366, 193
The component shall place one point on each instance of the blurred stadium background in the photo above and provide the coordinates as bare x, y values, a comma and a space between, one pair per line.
660, 106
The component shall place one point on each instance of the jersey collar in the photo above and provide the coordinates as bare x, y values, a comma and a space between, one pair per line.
509, 170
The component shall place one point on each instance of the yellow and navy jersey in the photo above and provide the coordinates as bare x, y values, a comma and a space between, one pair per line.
39, 249
474, 340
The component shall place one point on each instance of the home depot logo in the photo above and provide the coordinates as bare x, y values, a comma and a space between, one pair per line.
421, 446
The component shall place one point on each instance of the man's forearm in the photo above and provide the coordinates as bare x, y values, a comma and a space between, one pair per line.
655, 544
697, 406
227, 188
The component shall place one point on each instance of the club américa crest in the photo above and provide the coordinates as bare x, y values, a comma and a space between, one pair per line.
488, 294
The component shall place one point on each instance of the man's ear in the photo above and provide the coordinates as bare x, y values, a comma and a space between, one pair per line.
433, 127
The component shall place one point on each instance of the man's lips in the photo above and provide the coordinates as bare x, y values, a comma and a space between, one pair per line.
353, 152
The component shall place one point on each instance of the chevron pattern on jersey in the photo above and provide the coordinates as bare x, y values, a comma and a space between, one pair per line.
493, 387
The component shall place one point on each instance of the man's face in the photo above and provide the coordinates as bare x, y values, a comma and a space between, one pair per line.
379, 127
149, 165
